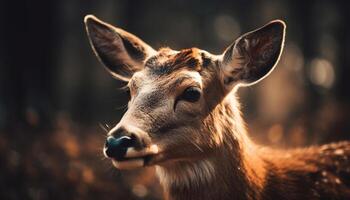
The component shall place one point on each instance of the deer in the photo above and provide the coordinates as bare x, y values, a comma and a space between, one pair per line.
184, 118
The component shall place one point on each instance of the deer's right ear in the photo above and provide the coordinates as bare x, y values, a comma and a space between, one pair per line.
122, 53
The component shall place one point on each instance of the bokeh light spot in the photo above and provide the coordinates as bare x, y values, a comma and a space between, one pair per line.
322, 73
140, 190
275, 133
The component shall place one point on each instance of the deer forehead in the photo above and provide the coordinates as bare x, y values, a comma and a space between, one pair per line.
167, 61
169, 69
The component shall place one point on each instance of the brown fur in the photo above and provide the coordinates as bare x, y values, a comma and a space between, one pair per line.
204, 149
167, 61
244, 170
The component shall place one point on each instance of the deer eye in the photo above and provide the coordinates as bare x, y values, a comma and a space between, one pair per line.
191, 94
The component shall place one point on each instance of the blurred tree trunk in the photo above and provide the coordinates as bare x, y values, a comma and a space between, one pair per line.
343, 82
27, 41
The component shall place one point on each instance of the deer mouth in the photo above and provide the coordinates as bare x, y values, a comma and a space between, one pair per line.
131, 163
136, 158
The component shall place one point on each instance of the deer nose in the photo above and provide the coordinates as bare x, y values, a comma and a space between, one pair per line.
116, 147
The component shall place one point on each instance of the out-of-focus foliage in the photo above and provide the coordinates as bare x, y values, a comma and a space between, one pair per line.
55, 97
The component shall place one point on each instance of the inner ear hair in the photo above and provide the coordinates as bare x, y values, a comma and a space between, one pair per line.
122, 53
254, 55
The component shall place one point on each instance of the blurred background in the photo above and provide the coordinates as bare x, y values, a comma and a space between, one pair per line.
56, 99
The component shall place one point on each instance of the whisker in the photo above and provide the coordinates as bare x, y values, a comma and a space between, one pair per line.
124, 88
104, 127
101, 155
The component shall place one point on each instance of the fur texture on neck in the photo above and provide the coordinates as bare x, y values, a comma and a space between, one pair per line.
232, 171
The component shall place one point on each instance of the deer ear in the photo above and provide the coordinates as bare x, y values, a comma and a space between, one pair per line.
121, 52
253, 55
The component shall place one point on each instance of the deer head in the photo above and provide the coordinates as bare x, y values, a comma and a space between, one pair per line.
173, 94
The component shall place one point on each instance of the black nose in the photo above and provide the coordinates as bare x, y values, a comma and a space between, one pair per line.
117, 147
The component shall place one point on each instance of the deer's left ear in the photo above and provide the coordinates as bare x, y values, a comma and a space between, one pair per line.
253, 56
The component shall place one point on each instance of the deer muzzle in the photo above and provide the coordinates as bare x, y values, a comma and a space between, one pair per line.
126, 151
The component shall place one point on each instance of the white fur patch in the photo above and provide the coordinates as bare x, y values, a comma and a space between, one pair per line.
186, 174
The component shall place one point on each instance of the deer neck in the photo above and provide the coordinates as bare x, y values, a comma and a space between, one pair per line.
233, 171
